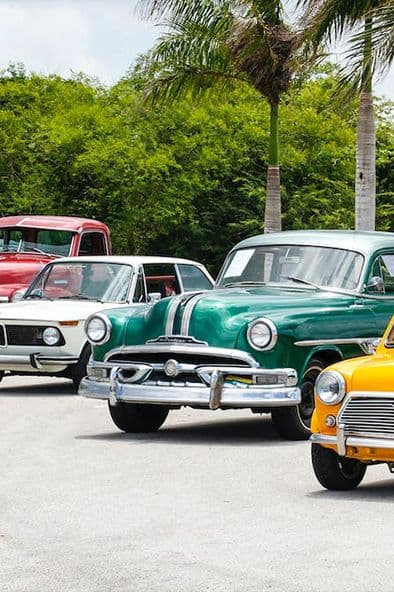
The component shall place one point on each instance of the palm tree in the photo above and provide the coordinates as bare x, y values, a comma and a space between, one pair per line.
371, 52
212, 42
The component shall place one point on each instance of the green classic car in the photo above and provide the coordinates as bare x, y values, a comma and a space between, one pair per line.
284, 307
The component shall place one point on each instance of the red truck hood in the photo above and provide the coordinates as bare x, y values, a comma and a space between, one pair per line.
18, 269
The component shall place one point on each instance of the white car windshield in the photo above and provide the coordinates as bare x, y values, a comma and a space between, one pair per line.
102, 281
302, 265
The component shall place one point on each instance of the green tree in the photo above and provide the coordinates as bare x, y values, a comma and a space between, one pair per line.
371, 51
216, 41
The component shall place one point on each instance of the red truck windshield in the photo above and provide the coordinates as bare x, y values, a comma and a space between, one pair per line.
33, 240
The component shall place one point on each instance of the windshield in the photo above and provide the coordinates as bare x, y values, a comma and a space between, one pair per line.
300, 265
105, 282
34, 240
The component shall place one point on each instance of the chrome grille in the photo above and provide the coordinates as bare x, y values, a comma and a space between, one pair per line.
368, 415
189, 357
182, 357
27, 335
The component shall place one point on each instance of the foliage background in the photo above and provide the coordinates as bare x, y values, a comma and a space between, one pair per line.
185, 180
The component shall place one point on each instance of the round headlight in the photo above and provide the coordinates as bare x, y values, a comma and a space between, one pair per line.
262, 334
98, 329
330, 387
51, 336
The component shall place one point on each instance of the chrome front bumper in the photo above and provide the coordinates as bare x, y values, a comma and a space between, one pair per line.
219, 387
341, 441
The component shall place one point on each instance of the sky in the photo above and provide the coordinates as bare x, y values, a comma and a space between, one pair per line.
101, 38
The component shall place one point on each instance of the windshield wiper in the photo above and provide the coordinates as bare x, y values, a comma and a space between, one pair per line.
79, 297
302, 281
249, 283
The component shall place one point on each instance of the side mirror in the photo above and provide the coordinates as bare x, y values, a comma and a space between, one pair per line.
375, 284
154, 297
18, 295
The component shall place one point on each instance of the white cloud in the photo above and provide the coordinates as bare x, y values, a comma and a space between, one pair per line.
101, 38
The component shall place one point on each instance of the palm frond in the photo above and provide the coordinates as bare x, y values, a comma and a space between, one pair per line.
328, 20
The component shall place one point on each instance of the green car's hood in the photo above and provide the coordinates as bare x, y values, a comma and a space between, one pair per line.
220, 317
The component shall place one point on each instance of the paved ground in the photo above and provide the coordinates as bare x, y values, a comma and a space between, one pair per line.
213, 502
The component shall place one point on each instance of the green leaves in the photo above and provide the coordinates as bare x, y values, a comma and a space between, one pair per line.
184, 179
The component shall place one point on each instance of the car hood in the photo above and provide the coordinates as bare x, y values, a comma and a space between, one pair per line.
369, 373
217, 316
18, 269
51, 310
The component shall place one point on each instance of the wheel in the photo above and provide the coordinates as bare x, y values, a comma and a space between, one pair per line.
78, 370
132, 418
334, 471
294, 423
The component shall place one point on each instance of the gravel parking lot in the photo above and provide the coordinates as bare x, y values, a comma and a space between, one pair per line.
214, 501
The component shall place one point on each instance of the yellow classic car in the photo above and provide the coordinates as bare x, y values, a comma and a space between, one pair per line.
353, 422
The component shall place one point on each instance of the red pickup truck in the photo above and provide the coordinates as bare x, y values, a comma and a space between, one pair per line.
27, 243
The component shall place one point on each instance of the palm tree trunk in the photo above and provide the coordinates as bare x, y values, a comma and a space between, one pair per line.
366, 145
272, 217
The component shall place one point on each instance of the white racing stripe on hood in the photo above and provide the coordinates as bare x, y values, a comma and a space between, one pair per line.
187, 313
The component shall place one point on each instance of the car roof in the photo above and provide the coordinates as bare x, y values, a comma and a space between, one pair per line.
51, 223
364, 242
126, 259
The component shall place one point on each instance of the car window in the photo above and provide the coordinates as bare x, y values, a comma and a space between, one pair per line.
92, 243
383, 270
161, 277
193, 278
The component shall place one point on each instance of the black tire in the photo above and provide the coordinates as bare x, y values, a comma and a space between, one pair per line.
336, 472
134, 418
294, 423
78, 370
1, 375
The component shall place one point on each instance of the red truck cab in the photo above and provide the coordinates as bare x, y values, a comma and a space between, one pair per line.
27, 243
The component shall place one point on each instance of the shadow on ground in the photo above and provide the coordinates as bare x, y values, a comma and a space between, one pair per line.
61, 388
232, 431
379, 491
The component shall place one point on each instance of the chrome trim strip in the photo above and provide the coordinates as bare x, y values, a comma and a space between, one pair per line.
365, 343
25, 360
187, 313
236, 354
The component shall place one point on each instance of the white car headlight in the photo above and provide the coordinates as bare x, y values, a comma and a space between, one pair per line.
330, 387
262, 334
98, 329
51, 336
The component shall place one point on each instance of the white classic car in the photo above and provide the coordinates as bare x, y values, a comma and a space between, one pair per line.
44, 334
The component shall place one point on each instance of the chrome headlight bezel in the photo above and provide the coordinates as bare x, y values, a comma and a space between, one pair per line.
337, 381
51, 336
271, 332
106, 329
